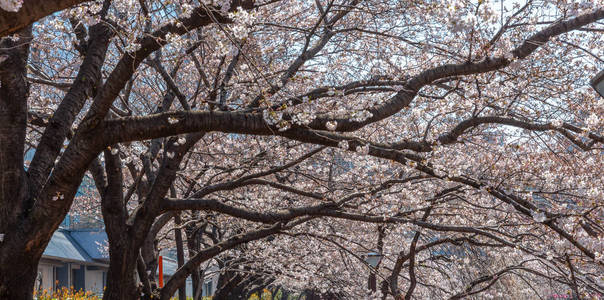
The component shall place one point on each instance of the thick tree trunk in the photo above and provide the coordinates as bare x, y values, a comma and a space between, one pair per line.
182, 291
121, 280
123, 248
229, 283
27, 216
193, 245
20, 250
18, 270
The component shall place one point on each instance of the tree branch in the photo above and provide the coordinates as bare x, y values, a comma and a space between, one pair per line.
30, 12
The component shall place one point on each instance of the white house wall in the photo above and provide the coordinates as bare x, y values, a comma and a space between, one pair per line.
47, 273
94, 281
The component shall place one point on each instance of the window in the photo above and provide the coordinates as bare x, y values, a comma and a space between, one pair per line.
207, 289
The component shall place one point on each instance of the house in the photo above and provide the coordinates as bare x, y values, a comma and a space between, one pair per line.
73, 258
76, 258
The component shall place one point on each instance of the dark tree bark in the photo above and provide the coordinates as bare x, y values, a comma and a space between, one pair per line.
233, 284
128, 233
192, 232
180, 254
204, 255
135, 227
123, 250
33, 203
229, 283
149, 251
121, 283
31, 11
28, 217
18, 258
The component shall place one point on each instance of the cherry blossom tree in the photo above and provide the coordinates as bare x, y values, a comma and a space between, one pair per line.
289, 138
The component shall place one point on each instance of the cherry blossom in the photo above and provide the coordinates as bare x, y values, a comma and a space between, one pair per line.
280, 142
11, 5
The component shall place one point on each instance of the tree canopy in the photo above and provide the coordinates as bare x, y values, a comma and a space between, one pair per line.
284, 140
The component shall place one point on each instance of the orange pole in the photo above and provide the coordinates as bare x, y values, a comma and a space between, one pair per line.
161, 272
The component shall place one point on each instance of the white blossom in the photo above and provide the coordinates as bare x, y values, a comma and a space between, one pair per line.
343, 144
243, 21
272, 117
132, 47
240, 31
363, 149
592, 121
175, 40
284, 125
549, 255
361, 116
11, 5
331, 125
538, 216
187, 10
302, 118
557, 123
58, 196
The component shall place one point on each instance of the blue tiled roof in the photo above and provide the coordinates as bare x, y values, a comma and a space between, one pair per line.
83, 246
91, 241
62, 246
